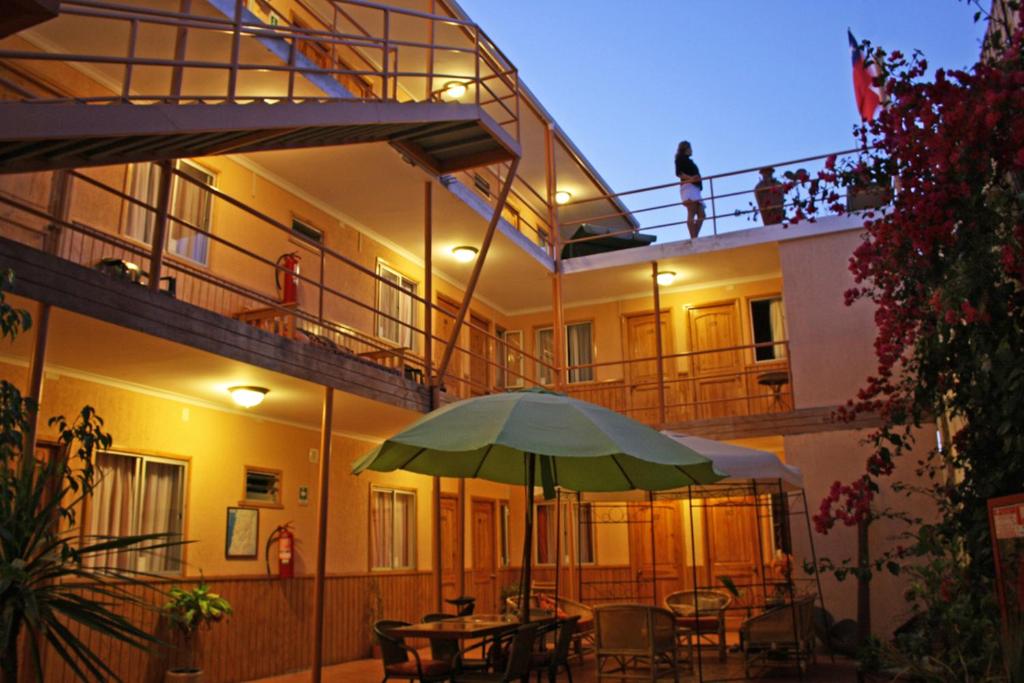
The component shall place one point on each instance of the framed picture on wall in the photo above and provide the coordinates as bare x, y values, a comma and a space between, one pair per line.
243, 532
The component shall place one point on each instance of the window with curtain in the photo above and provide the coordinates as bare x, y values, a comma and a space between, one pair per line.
585, 528
392, 529
546, 529
579, 350
190, 204
504, 530
510, 358
399, 308
768, 319
137, 495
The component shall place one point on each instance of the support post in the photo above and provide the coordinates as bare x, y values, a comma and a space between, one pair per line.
449, 348
435, 504
163, 205
654, 549
693, 566
35, 380
658, 344
558, 352
462, 537
180, 50
428, 289
321, 533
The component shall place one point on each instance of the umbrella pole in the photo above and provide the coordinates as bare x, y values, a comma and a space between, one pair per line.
524, 590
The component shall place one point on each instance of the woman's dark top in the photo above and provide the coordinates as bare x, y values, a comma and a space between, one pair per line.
685, 166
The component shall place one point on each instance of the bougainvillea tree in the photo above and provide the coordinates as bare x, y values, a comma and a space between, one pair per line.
943, 266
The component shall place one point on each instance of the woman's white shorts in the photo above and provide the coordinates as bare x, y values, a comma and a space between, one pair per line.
690, 193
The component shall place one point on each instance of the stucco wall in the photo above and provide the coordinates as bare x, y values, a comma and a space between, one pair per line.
831, 342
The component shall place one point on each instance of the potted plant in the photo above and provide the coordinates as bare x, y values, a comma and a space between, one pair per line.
374, 613
189, 610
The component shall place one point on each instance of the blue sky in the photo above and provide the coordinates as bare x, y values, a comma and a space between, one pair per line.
747, 82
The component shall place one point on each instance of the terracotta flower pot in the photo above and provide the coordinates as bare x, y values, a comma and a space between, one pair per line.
183, 676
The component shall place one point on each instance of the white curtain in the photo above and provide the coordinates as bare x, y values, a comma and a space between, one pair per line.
381, 525
161, 512
398, 305
546, 354
579, 348
405, 524
192, 204
111, 507
777, 317
140, 221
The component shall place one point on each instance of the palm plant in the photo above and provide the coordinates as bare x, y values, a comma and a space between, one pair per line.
52, 577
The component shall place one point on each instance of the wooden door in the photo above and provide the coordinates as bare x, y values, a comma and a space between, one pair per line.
642, 376
717, 375
479, 346
732, 547
443, 326
485, 575
655, 554
450, 546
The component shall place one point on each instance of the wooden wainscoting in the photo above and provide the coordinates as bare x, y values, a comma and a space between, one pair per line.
270, 632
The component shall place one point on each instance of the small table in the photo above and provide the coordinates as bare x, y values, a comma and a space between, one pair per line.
774, 381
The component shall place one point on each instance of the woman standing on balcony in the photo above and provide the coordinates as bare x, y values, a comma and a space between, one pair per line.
689, 190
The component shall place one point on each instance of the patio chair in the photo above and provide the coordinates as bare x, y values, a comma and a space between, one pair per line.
551, 660
397, 663
636, 642
782, 635
517, 665
703, 612
563, 608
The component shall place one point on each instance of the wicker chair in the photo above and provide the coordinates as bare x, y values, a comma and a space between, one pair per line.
703, 612
397, 663
636, 642
782, 635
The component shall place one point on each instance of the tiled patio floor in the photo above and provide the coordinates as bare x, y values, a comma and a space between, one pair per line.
842, 671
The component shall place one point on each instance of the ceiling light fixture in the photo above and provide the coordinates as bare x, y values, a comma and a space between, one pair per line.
248, 397
464, 254
563, 197
666, 277
453, 90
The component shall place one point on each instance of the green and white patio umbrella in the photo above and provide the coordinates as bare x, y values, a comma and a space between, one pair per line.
535, 437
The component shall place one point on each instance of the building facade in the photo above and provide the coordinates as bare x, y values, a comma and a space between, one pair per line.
204, 195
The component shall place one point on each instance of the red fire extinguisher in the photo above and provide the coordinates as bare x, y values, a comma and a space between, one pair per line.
286, 277
285, 551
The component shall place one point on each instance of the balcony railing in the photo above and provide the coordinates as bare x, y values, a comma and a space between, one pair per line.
697, 385
342, 305
736, 200
358, 50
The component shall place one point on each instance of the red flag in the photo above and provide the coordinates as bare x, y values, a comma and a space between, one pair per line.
869, 95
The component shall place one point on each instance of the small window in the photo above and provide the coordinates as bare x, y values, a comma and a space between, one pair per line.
395, 301
392, 529
306, 232
262, 487
768, 319
504, 533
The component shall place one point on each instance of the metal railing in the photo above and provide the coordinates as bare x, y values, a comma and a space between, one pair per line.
339, 304
362, 51
696, 385
736, 200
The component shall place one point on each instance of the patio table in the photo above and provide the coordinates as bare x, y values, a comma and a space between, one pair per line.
467, 628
